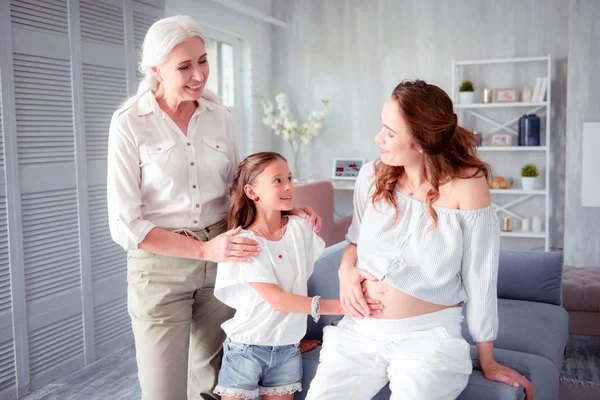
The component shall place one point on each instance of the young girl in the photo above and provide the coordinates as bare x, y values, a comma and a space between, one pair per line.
261, 353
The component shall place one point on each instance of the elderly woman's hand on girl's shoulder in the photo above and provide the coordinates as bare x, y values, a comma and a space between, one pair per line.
315, 219
229, 246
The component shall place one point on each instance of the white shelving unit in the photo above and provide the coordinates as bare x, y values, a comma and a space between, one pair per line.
499, 105
478, 111
513, 148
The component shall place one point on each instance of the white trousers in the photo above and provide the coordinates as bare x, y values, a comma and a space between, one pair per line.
423, 357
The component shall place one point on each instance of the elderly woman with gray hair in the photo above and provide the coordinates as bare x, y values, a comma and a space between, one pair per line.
171, 158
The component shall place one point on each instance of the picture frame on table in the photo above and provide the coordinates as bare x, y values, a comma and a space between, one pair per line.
507, 95
500, 139
346, 168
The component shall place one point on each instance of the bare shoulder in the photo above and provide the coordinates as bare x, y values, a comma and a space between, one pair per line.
472, 191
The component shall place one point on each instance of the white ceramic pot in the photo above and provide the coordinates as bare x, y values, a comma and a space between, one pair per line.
529, 182
466, 97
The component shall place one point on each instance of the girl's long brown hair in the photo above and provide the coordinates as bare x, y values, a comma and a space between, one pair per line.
241, 210
449, 150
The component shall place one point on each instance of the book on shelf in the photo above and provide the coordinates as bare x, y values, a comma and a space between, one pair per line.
543, 90
540, 89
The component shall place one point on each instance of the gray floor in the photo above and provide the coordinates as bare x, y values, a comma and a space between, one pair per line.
114, 378
111, 378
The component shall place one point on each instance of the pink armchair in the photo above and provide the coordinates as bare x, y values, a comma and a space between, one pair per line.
320, 196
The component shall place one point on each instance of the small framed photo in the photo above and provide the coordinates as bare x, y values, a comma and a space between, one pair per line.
346, 168
510, 95
500, 139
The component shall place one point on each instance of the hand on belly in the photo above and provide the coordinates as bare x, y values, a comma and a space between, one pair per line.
397, 304
376, 290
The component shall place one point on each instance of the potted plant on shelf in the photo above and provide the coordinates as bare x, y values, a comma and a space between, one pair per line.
466, 92
529, 177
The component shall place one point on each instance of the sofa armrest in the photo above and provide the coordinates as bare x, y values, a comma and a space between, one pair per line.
531, 276
342, 224
325, 282
480, 388
540, 371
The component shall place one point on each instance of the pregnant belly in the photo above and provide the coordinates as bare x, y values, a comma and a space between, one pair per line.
397, 304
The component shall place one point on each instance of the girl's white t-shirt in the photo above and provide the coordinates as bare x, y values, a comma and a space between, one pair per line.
287, 263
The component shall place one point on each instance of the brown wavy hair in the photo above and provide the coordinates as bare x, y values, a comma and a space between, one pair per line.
449, 150
241, 210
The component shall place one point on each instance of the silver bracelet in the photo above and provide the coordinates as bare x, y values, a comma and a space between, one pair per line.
315, 308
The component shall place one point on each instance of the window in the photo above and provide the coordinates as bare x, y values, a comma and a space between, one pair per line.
224, 53
221, 80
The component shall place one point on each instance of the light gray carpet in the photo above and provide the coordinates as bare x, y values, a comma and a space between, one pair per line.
580, 375
577, 392
582, 359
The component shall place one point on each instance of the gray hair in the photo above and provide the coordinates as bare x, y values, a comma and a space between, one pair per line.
159, 41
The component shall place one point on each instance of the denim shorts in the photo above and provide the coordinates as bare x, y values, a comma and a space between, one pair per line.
248, 371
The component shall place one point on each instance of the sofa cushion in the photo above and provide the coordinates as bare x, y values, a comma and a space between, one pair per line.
529, 327
325, 283
530, 275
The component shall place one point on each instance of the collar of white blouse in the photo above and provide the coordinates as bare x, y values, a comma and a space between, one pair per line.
147, 104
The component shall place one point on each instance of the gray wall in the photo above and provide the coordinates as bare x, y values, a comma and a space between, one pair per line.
354, 52
582, 224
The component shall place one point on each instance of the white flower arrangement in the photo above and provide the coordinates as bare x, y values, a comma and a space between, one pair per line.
285, 125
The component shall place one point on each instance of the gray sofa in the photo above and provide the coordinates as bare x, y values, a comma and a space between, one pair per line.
533, 325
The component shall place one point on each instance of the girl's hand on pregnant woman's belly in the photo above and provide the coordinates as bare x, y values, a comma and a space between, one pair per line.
351, 294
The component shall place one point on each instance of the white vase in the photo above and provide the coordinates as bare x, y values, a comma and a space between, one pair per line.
529, 182
466, 97
536, 224
527, 95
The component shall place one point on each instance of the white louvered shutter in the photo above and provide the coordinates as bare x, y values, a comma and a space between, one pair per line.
143, 18
104, 89
49, 209
44, 109
60, 51
109, 272
102, 22
1, 137
7, 354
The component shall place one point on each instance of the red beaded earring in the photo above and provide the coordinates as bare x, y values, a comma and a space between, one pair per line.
256, 198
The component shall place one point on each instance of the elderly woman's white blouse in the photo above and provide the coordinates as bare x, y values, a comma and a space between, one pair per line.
159, 177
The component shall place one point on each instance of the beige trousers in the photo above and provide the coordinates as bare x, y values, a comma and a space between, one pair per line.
176, 323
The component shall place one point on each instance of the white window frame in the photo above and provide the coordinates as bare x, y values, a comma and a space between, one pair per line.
237, 110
